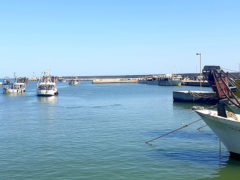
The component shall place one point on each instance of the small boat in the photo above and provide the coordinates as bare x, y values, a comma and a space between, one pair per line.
73, 82
15, 87
226, 128
47, 87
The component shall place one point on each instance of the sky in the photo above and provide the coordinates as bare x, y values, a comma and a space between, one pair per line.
117, 37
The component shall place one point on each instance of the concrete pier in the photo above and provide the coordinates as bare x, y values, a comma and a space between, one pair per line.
114, 80
195, 96
195, 83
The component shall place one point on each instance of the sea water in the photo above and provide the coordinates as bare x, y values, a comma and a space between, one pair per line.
98, 131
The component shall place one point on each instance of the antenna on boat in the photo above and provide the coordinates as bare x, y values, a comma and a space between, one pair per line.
15, 77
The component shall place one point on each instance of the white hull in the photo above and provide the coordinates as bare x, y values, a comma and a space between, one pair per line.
13, 91
47, 92
73, 83
227, 129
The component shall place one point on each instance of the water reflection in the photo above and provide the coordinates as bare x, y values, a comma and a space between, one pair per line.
14, 94
229, 170
189, 105
51, 99
207, 157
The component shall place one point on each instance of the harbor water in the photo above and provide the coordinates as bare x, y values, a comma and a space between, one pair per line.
98, 131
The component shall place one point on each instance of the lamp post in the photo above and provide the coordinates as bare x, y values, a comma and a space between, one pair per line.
199, 54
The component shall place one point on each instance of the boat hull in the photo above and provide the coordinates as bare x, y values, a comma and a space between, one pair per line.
227, 130
13, 91
47, 93
74, 83
153, 82
169, 83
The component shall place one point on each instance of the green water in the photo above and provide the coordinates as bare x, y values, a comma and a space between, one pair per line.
98, 132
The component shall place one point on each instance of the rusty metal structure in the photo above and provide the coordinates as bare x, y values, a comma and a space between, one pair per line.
224, 84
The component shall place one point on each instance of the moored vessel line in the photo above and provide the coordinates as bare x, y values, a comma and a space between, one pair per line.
184, 126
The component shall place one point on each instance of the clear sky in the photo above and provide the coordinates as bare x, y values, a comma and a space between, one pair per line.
105, 37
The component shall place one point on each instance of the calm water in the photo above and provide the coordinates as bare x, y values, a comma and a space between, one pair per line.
98, 132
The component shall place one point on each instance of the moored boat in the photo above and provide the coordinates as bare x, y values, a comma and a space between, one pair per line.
226, 128
225, 124
73, 82
169, 80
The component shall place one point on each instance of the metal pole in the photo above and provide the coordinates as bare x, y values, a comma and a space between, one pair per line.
200, 54
220, 149
200, 70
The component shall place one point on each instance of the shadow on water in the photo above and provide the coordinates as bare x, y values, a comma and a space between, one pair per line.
14, 94
93, 106
191, 135
229, 170
200, 156
193, 154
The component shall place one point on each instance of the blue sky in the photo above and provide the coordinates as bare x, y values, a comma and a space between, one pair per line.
105, 37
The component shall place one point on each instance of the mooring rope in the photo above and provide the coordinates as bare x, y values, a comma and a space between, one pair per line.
186, 125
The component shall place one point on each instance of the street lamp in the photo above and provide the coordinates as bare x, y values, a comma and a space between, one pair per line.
199, 54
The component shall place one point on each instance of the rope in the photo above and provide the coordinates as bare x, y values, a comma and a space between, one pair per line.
186, 125
229, 90
201, 127
230, 70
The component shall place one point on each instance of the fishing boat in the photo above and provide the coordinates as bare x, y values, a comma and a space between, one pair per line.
46, 86
151, 80
169, 80
225, 124
73, 82
15, 87
226, 128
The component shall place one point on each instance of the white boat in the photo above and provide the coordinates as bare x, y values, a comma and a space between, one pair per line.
226, 128
13, 88
73, 82
47, 87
